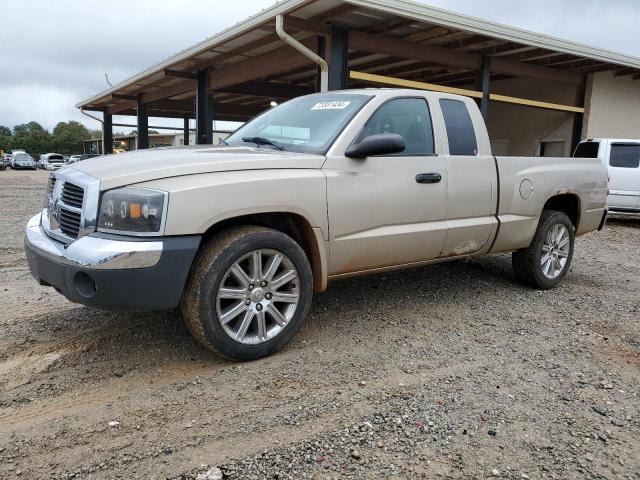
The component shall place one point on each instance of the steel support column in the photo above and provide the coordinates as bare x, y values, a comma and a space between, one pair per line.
576, 136
107, 134
339, 58
185, 131
322, 51
210, 110
143, 125
578, 119
204, 111
486, 86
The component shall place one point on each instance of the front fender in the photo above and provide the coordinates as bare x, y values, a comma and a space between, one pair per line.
197, 202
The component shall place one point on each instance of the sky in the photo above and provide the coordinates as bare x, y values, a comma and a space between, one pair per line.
54, 54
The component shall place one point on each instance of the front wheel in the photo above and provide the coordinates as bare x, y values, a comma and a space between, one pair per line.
248, 293
547, 260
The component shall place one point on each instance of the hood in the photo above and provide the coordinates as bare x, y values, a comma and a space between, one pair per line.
158, 163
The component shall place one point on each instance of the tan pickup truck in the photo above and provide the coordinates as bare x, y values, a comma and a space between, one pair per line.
320, 188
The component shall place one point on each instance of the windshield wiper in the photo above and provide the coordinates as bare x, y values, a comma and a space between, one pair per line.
222, 141
263, 141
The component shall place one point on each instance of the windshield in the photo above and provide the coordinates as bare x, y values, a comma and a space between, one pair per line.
23, 157
307, 124
56, 158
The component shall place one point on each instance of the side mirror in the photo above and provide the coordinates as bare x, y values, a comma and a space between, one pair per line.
379, 144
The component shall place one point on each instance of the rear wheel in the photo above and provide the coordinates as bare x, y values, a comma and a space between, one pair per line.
548, 259
248, 293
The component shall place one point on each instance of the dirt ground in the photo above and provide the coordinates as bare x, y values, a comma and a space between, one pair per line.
449, 371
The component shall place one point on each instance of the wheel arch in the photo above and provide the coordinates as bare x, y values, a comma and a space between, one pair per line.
292, 224
568, 203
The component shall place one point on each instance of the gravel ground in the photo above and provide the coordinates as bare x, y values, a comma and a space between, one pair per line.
450, 371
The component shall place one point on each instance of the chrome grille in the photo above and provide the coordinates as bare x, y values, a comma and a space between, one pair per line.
69, 222
72, 195
71, 206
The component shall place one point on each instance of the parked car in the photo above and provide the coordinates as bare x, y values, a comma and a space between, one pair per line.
622, 159
320, 188
3, 164
14, 153
8, 159
51, 161
74, 159
23, 161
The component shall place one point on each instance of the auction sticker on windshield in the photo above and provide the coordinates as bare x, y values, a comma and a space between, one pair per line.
340, 105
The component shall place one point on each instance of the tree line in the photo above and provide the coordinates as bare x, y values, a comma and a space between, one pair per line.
66, 138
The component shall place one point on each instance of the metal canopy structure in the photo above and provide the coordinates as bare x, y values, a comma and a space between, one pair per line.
237, 73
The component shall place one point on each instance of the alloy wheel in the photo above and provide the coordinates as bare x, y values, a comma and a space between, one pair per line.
258, 296
555, 251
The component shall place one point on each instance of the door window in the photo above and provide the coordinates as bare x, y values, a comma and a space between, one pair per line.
408, 117
462, 135
625, 155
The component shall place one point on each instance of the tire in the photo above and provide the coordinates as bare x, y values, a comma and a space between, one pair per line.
528, 263
206, 313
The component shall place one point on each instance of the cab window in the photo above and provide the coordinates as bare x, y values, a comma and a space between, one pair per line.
408, 117
462, 135
625, 155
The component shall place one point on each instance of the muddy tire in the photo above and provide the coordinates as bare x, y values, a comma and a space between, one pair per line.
546, 262
248, 292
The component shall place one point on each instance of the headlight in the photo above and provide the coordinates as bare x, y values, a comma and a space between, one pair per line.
137, 211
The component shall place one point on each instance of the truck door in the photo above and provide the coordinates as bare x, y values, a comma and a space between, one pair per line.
388, 210
472, 183
624, 172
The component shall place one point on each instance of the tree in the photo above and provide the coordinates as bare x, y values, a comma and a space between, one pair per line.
6, 140
32, 137
151, 132
68, 137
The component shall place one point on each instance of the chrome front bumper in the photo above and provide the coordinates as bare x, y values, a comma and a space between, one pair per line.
93, 253
108, 272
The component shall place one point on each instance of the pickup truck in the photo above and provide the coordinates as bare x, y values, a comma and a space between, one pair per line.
320, 188
51, 161
622, 158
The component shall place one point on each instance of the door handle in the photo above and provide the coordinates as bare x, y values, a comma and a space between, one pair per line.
428, 178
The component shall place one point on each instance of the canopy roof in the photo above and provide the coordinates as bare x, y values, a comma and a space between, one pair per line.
250, 66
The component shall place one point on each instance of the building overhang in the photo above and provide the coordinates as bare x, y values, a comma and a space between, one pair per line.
249, 66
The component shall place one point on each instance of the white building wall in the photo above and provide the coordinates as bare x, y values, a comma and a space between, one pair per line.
613, 106
179, 139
